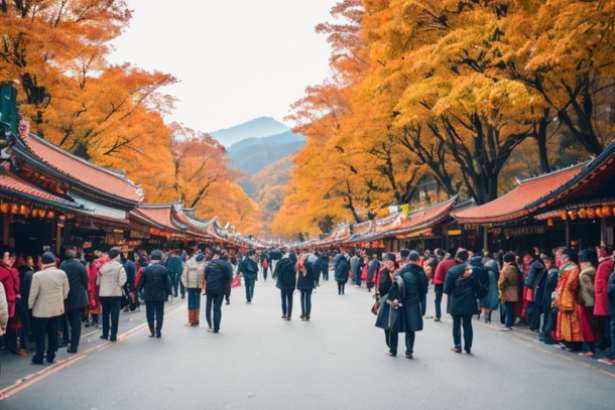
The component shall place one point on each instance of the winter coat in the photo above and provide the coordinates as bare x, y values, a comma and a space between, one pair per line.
219, 277
155, 282
605, 269
78, 282
372, 270
194, 274
481, 276
131, 274
4, 310
442, 269
323, 263
7, 280
175, 264
587, 295
611, 295
385, 283
341, 267
354, 261
509, 285
285, 274
249, 269
49, 289
462, 286
25, 285
310, 280
111, 278
492, 299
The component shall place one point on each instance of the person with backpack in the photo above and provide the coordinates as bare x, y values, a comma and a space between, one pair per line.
307, 267
286, 280
482, 277
341, 265
323, 261
372, 272
249, 269
461, 285
491, 300
218, 280
265, 266
175, 267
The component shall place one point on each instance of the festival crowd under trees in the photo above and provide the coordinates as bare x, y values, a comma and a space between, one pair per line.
55, 53
474, 92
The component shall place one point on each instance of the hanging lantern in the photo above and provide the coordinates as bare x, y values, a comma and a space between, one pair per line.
4, 207
41, 213
564, 215
598, 212
549, 222
591, 213
606, 211
572, 214
51, 215
23, 210
582, 213
34, 213
14, 208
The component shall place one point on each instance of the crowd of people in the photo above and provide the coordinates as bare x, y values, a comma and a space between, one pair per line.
567, 298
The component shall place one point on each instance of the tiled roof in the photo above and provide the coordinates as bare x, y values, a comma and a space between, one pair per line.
13, 183
516, 204
160, 215
426, 218
81, 170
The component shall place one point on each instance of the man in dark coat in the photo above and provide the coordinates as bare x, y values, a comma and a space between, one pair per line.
372, 271
323, 262
461, 285
307, 282
286, 280
77, 298
176, 267
218, 280
131, 276
535, 278
405, 296
341, 265
249, 269
156, 285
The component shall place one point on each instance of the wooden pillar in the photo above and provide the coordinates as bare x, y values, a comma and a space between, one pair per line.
5, 225
58, 238
603, 231
485, 239
567, 232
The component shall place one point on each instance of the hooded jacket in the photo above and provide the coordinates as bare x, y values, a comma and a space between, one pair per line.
219, 277
155, 282
285, 273
194, 273
509, 284
604, 272
587, 276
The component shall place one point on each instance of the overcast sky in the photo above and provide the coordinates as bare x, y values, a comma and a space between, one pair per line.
237, 59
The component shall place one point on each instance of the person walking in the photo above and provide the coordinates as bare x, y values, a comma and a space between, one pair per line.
218, 280
341, 265
249, 270
47, 293
192, 279
175, 267
323, 260
155, 282
131, 276
439, 277
307, 282
77, 299
286, 280
111, 280
372, 272
491, 300
508, 285
462, 286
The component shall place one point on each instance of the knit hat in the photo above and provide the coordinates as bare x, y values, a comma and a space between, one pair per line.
48, 258
404, 253
568, 252
588, 255
440, 253
391, 257
462, 255
200, 257
156, 255
509, 257
114, 253
414, 256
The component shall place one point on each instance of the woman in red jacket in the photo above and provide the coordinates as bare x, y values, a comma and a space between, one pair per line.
601, 308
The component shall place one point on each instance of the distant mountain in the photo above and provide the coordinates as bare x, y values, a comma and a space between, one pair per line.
259, 127
254, 158
283, 138
270, 186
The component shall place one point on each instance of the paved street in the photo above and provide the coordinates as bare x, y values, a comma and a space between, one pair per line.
335, 361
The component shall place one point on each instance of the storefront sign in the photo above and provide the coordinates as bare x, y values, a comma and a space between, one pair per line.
454, 232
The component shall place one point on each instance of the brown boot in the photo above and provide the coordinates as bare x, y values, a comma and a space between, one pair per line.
190, 316
195, 319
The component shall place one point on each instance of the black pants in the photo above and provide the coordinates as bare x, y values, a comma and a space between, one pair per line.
214, 301
467, 331
249, 283
325, 274
228, 295
73, 318
265, 272
177, 284
46, 326
287, 302
110, 313
155, 315
439, 289
306, 303
392, 339
340, 287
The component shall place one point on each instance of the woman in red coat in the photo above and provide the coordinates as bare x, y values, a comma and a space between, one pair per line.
601, 308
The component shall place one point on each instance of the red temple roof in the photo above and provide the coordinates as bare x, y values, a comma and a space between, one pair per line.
14, 183
516, 203
426, 218
81, 170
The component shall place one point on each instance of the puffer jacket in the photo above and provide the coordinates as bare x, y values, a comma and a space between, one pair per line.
605, 269
509, 284
194, 273
111, 279
587, 295
4, 310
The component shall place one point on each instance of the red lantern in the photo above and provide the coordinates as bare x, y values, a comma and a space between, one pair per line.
582, 213
42, 213
572, 214
606, 211
4, 207
23, 210
598, 212
591, 214
14, 208
549, 222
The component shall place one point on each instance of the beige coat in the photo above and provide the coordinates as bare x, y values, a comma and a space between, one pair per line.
4, 310
111, 279
49, 289
194, 274
587, 295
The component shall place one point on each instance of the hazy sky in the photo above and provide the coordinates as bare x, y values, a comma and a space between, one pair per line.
236, 59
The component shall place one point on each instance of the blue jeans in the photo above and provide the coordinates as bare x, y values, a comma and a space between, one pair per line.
216, 301
287, 302
110, 312
439, 289
467, 331
194, 298
155, 315
306, 303
249, 282
510, 314
392, 339
611, 355
177, 284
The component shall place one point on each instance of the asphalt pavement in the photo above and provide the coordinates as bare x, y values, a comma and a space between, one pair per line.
335, 361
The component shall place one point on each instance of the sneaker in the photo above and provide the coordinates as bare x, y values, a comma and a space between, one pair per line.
104, 337
587, 354
456, 350
505, 329
607, 361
